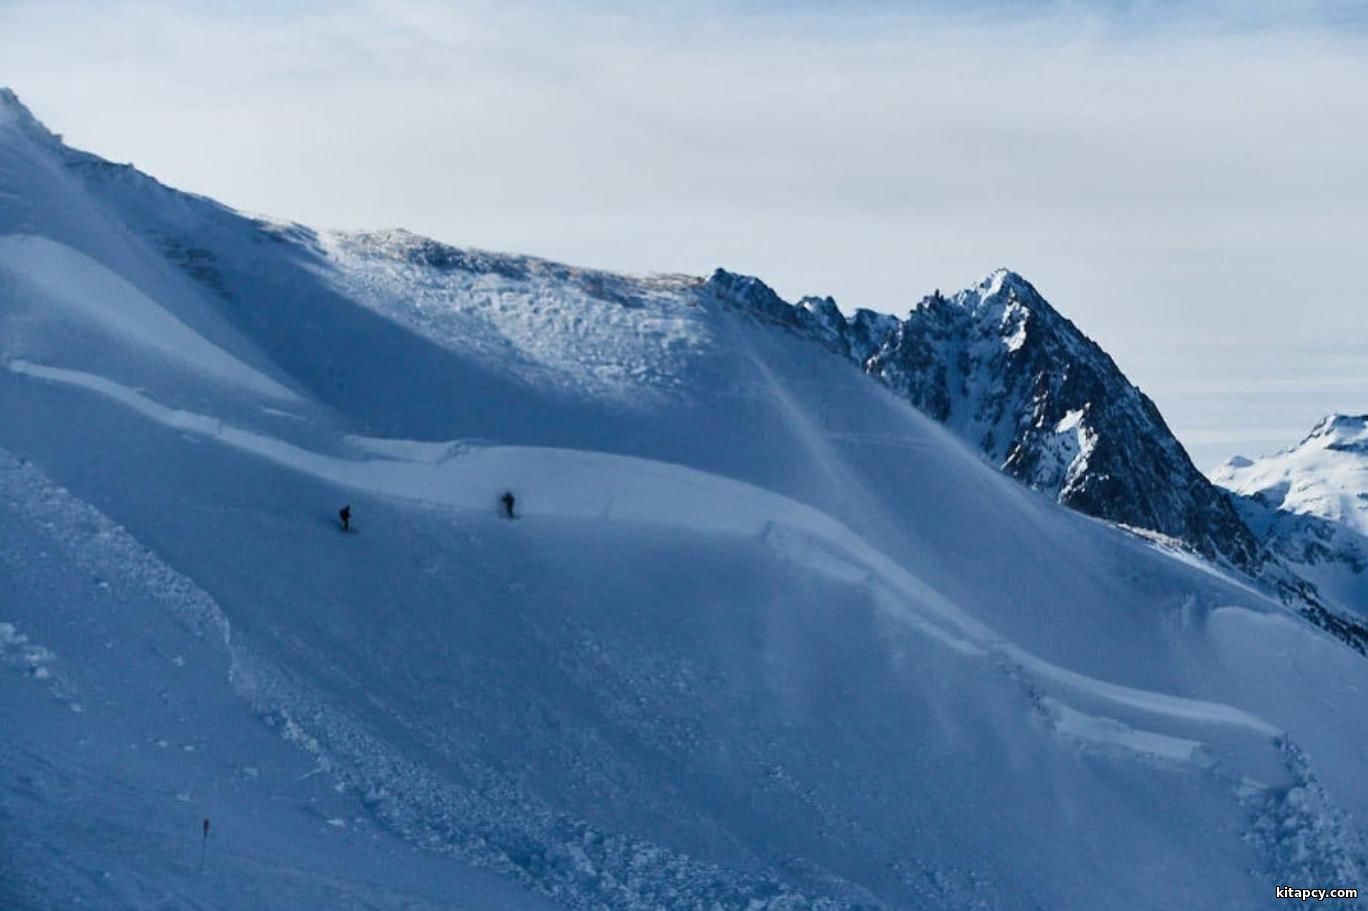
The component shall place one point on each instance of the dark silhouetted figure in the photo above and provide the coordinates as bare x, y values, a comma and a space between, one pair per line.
507, 501
345, 515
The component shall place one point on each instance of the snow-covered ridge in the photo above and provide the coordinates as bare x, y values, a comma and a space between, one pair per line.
526, 315
14, 115
1342, 431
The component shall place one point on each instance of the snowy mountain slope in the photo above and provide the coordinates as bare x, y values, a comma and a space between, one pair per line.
1309, 505
120, 739
763, 636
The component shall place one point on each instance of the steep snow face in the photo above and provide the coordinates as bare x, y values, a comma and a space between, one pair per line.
1309, 504
763, 635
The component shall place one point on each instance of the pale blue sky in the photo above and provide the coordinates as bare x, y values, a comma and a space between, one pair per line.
1184, 181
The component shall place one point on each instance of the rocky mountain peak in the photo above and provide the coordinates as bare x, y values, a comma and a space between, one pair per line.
1001, 367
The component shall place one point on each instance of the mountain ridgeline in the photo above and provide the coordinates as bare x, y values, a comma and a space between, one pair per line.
1003, 369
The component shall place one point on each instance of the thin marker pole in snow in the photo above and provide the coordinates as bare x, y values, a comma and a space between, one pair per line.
204, 844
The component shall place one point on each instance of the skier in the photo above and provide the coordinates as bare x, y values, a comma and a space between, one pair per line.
345, 515
507, 501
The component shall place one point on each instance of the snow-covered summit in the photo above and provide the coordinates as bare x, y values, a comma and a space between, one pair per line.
1324, 475
18, 121
1344, 432
1002, 284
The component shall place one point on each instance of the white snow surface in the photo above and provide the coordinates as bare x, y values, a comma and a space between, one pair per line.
762, 636
1309, 504
1324, 475
55, 282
